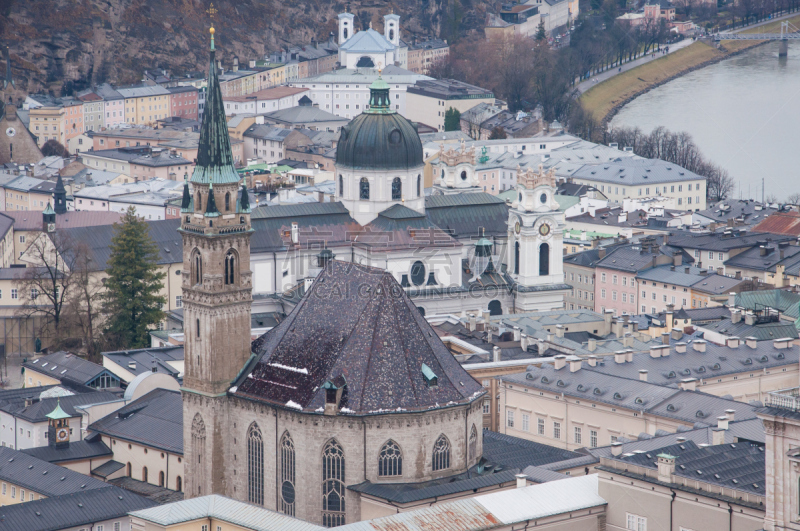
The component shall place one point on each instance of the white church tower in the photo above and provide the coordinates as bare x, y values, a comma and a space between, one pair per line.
391, 28
346, 29
535, 242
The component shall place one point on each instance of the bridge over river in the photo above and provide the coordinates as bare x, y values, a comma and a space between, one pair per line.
788, 32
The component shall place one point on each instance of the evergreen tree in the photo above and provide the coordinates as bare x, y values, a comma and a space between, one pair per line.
540, 33
132, 302
452, 120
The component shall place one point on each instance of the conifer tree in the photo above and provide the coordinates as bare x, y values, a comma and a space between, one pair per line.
452, 120
132, 302
540, 32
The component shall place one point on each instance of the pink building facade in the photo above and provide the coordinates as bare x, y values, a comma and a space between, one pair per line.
615, 290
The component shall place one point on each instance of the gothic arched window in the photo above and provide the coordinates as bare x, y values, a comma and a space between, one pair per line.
544, 259
473, 443
161, 478
286, 481
391, 34
197, 267
333, 508
390, 460
230, 268
179, 484
144, 474
516, 258
397, 189
341, 186
198, 446
227, 202
199, 206
441, 454
255, 465
364, 188
419, 185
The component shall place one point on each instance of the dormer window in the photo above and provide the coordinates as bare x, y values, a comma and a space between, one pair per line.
430, 377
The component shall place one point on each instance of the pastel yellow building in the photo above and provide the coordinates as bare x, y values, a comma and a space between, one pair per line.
145, 105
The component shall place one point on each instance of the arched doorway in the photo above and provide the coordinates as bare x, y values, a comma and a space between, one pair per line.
365, 62
544, 259
495, 308
421, 311
516, 258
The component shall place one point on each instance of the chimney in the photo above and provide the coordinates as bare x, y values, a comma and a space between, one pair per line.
560, 361
472, 323
607, 318
732, 342
688, 384
750, 318
665, 338
643, 375
731, 299
731, 414
722, 422
592, 345
627, 340
496, 354
676, 333
619, 356
718, 435
677, 260
719, 271
751, 342
616, 448
781, 343
680, 348
486, 315
574, 365
666, 467
155, 366
592, 361
687, 269
559, 330
699, 345
736, 315
516, 333
523, 342
295, 233
522, 480
629, 355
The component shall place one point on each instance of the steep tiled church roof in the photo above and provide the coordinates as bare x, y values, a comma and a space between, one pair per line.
356, 327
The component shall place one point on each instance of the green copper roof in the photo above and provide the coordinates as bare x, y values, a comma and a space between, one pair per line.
211, 203
214, 157
244, 201
58, 413
48, 209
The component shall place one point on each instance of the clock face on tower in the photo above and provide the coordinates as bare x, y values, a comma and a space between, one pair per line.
544, 229
517, 227
11, 131
61, 434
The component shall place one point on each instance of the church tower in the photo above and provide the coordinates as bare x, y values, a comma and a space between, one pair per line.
535, 241
217, 284
60, 197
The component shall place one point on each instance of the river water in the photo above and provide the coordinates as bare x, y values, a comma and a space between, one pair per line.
743, 113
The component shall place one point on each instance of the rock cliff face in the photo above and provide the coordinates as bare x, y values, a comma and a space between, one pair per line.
53, 43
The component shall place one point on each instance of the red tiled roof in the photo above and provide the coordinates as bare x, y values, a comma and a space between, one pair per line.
780, 223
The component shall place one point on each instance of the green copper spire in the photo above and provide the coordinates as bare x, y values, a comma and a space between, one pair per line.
186, 200
48, 209
58, 413
211, 204
214, 157
244, 201
379, 102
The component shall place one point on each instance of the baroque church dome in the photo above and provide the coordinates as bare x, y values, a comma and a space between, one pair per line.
379, 138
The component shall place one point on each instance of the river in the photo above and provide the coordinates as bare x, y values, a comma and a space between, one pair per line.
743, 113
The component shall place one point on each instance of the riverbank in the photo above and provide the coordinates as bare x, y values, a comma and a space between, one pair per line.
605, 99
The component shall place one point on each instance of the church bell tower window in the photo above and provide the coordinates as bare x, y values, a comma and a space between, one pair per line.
397, 189
364, 188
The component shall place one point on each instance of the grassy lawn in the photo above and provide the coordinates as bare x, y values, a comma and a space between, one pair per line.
600, 99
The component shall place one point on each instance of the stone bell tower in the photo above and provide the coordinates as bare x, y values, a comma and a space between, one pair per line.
217, 285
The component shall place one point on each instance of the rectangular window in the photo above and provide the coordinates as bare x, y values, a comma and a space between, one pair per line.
719, 256
22, 494
13, 492
556, 430
593, 438
510, 418
178, 301
13, 293
486, 406
636, 522
602, 293
117, 526
710, 255
577, 435
602, 277
526, 422
613, 279
539, 430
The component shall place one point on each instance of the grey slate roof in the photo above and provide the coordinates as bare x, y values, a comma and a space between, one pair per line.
154, 420
636, 171
303, 115
632, 259
764, 332
72, 511
400, 217
160, 495
751, 212
42, 477
37, 412
143, 358
140, 156
65, 365
89, 448
462, 215
334, 335
754, 260
513, 452
721, 241
542, 475
716, 361
107, 468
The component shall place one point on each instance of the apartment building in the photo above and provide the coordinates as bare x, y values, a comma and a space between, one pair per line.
113, 105
93, 110
146, 104
423, 55
152, 198
683, 286
637, 177
183, 102
264, 101
429, 100
712, 251
28, 193
47, 122
140, 163
579, 272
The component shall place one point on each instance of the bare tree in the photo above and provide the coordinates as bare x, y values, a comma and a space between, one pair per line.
720, 184
85, 301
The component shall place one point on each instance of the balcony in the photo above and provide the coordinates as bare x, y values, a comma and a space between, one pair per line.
784, 399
